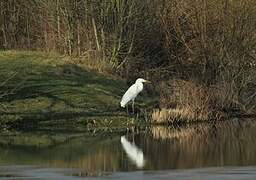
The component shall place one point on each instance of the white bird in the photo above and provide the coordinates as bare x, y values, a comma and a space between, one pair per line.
133, 152
132, 92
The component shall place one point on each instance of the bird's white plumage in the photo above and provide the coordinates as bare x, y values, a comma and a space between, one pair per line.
132, 92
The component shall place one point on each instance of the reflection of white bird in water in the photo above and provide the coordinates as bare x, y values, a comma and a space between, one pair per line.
132, 92
133, 152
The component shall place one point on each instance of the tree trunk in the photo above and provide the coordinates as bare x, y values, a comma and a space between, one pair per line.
96, 34
78, 39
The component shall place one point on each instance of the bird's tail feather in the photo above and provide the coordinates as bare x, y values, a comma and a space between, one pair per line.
122, 103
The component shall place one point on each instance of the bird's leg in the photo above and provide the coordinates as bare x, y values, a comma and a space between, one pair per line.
133, 142
133, 106
127, 109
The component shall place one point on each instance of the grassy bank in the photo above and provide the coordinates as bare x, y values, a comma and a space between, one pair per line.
49, 90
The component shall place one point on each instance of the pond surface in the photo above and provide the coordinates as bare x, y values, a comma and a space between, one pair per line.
223, 150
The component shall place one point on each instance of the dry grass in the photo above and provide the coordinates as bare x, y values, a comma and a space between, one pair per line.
189, 101
175, 115
94, 62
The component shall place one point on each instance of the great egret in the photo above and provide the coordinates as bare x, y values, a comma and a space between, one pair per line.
132, 92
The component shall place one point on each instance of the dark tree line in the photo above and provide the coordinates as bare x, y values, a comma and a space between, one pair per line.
75, 27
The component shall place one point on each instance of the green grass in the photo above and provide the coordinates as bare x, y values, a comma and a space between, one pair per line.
48, 89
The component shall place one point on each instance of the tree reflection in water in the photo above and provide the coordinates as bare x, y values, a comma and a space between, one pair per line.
228, 143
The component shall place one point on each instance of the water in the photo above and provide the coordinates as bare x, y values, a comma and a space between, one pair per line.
225, 150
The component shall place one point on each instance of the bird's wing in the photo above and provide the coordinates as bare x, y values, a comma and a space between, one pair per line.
130, 94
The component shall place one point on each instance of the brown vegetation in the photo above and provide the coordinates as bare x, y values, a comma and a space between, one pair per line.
210, 47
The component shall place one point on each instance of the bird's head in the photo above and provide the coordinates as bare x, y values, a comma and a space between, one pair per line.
141, 80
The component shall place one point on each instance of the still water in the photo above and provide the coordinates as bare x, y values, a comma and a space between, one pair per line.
223, 150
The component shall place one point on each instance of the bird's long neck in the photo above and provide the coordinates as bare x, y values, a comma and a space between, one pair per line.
139, 86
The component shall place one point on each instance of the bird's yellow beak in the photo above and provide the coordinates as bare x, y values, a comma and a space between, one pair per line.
148, 81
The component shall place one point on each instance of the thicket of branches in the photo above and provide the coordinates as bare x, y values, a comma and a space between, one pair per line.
103, 28
211, 43
211, 49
